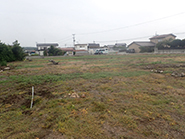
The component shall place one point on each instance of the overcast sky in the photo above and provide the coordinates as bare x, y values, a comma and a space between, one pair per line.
100, 21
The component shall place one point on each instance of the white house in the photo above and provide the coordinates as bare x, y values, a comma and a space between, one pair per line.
88, 47
44, 46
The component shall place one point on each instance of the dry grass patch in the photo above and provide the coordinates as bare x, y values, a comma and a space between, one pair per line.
118, 98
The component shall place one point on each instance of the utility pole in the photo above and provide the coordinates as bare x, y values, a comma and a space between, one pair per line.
73, 40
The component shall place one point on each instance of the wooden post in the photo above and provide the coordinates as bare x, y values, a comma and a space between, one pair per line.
32, 97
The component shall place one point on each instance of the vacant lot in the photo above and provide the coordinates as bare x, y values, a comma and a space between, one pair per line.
114, 97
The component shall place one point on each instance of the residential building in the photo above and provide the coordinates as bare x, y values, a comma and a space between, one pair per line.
153, 41
83, 47
160, 38
44, 46
88, 47
136, 44
116, 47
69, 50
92, 47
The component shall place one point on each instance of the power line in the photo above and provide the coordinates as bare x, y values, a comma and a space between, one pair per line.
150, 21
126, 39
134, 38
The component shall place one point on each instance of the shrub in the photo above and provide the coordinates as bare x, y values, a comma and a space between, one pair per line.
146, 49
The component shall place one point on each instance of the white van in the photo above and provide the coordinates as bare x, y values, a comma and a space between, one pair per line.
103, 51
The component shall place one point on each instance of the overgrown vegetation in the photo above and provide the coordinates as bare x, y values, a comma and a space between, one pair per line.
52, 51
10, 53
146, 49
119, 97
171, 44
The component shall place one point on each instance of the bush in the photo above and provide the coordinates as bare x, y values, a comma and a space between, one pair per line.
35, 55
6, 53
10, 53
146, 49
52, 51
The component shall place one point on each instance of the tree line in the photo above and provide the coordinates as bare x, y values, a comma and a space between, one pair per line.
9, 53
171, 44
166, 44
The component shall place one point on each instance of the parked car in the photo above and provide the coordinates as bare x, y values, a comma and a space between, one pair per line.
98, 53
101, 51
130, 51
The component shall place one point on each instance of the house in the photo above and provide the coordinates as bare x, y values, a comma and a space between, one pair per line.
69, 50
44, 46
119, 47
153, 41
87, 47
136, 44
83, 47
160, 38
92, 47
116, 47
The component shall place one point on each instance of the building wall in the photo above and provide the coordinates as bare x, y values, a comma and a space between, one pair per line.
41, 53
135, 47
92, 51
162, 39
81, 47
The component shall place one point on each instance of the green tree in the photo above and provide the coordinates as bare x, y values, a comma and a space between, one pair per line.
163, 44
183, 43
176, 43
6, 53
18, 51
52, 51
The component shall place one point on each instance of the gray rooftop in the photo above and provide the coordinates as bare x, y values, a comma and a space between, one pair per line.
162, 36
144, 43
93, 45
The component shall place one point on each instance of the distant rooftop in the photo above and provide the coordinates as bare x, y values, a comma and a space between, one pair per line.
144, 43
93, 45
162, 36
120, 44
68, 49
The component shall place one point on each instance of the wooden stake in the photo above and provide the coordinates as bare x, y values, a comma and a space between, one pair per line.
32, 97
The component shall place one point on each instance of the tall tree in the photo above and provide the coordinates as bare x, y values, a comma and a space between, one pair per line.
6, 53
18, 51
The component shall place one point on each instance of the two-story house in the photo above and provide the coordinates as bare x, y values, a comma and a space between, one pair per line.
88, 47
160, 38
153, 41
41, 47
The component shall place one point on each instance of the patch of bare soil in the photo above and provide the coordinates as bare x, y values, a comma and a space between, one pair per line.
55, 135
12, 99
176, 70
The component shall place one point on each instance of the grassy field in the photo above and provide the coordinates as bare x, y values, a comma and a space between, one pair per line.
119, 97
